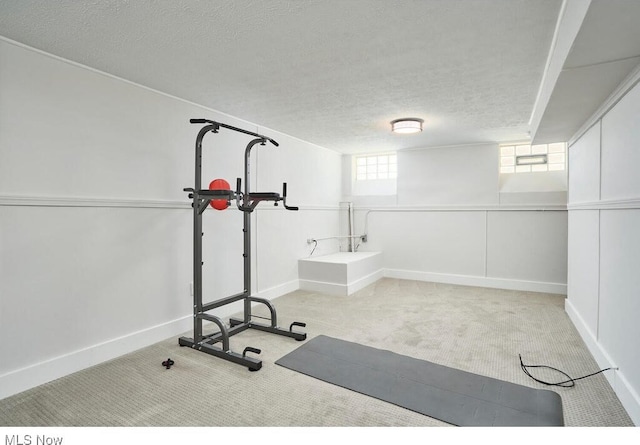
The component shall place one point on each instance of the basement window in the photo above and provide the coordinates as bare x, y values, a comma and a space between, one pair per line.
525, 158
374, 167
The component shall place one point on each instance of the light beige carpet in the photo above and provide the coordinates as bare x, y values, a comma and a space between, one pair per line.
470, 328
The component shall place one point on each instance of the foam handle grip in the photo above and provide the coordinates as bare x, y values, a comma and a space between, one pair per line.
198, 121
238, 185
284, 189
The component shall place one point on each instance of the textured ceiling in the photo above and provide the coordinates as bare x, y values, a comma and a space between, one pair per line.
331, 72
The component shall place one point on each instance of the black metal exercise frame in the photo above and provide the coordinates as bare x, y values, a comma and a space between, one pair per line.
246, 201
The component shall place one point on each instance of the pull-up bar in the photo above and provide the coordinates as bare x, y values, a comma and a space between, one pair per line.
217, 126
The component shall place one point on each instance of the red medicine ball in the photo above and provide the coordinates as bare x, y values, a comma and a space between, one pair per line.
219, 184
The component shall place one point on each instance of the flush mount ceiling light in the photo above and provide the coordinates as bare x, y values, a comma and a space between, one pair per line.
407, 125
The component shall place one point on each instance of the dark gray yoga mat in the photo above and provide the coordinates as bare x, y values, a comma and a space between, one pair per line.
447, 394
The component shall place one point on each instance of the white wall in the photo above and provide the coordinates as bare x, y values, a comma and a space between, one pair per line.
448, 176
534, 188
96, 231
528, 246
449, 223
315, 188
604, 244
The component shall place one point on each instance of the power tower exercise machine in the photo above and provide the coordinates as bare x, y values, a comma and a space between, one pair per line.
220, 196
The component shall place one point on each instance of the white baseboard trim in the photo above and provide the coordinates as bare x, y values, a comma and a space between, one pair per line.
628, 396
324, 287
277, 291
31, 376
363, 282
470, 280
339, 289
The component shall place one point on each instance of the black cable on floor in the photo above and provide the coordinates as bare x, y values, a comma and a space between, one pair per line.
570, 382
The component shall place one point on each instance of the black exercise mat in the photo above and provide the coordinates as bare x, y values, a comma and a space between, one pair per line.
447, 394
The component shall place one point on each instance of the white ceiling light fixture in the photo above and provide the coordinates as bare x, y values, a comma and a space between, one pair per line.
407, 125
